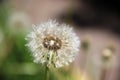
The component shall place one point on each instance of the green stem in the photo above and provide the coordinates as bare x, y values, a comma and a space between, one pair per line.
47, 73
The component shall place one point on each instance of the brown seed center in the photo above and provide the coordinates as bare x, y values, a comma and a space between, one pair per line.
52, 43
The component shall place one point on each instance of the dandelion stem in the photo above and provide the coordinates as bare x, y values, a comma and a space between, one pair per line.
103, 73
47, 73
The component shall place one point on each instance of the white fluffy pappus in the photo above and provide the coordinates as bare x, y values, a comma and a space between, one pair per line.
52, 43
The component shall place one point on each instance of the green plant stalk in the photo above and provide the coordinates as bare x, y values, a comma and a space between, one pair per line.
47, 73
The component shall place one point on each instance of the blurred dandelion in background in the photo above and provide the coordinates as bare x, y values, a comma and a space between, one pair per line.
19, 22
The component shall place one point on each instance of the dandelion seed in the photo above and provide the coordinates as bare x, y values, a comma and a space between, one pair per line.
52, 43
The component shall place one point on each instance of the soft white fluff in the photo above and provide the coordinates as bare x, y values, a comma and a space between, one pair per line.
63, 56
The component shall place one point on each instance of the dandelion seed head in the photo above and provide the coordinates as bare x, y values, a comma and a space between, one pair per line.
53, 43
